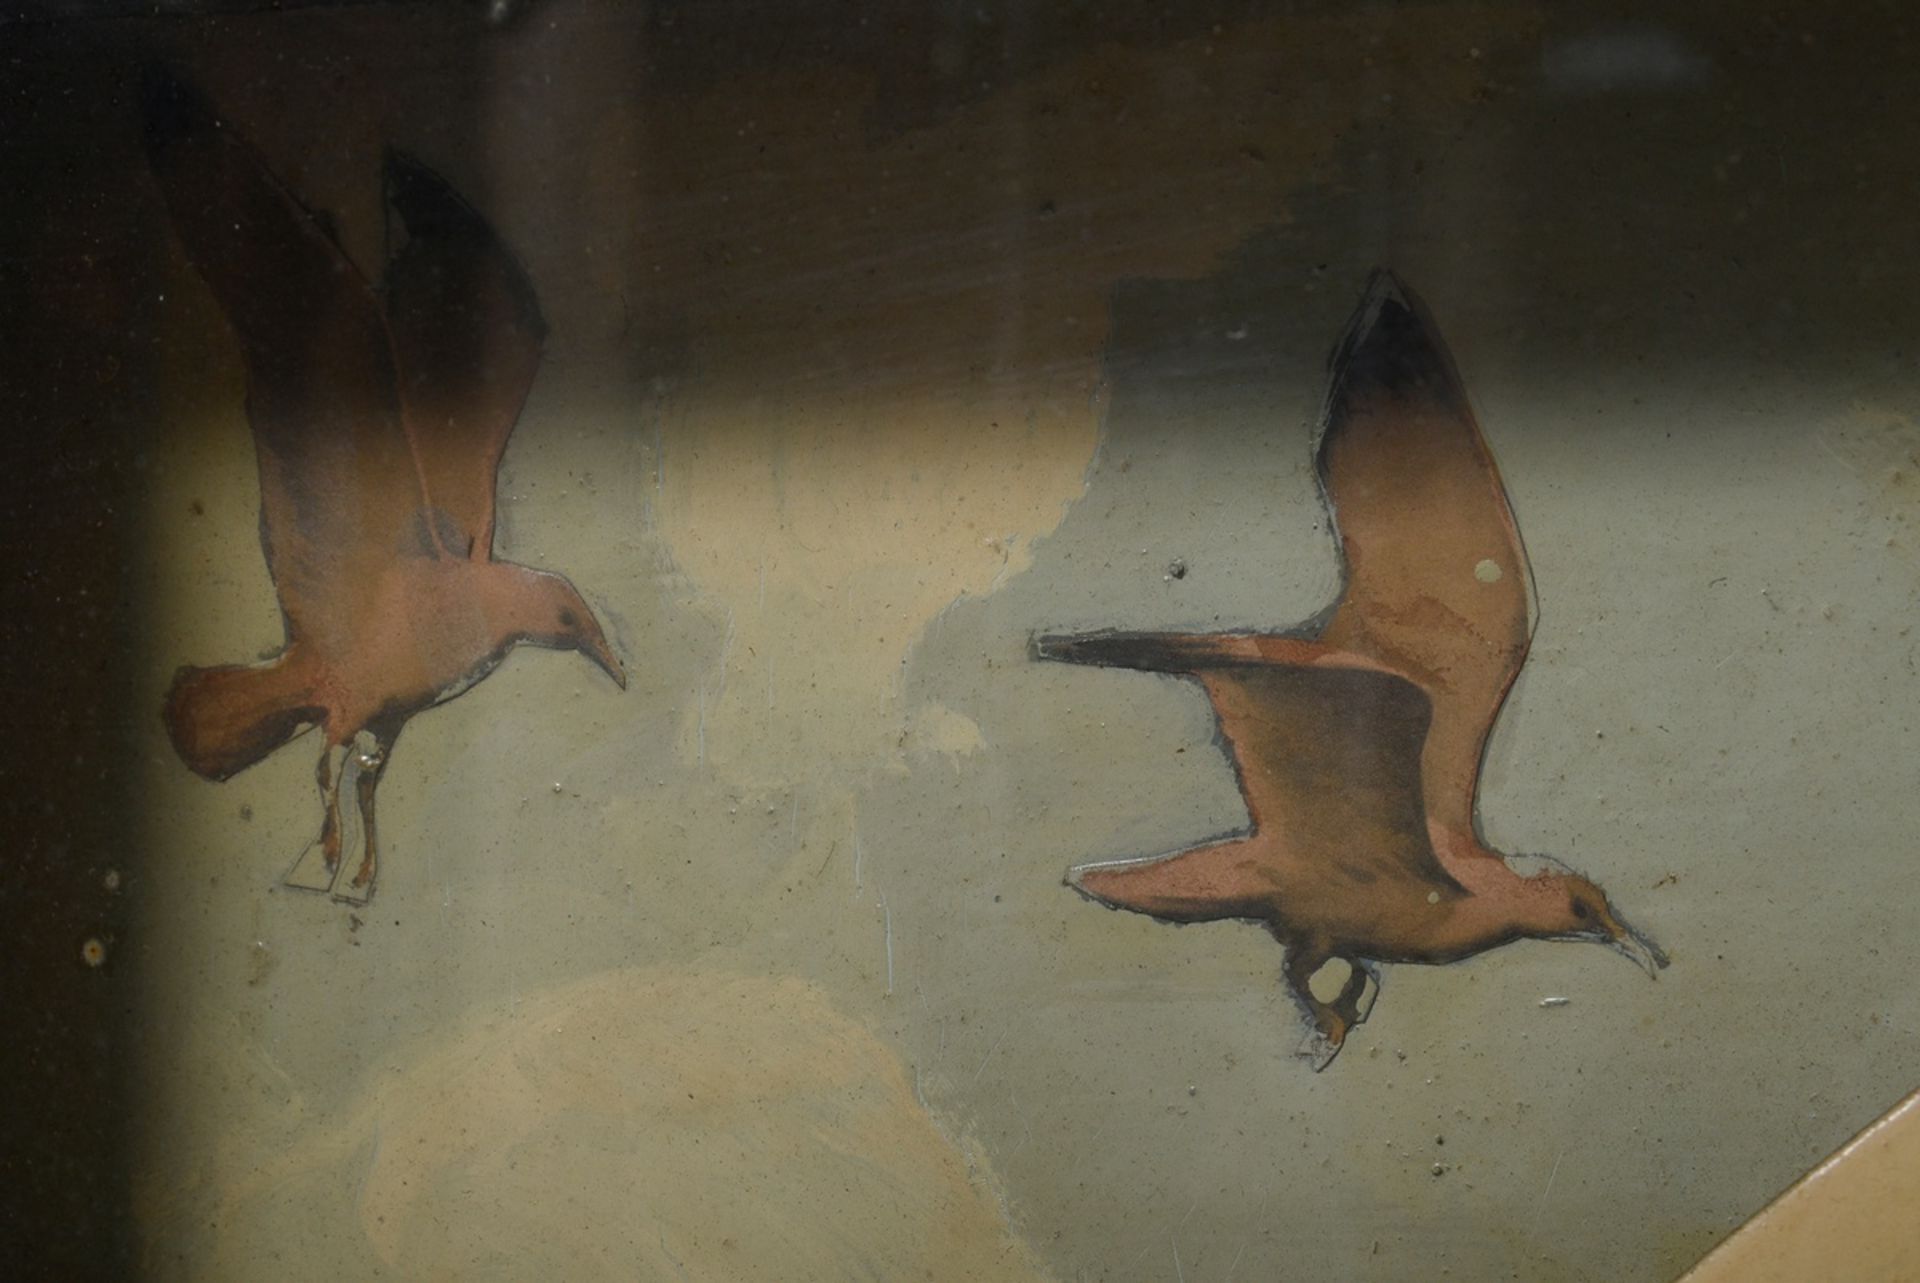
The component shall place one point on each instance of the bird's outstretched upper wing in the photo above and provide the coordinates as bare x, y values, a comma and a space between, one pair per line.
338, 490
467, 333
1437, 581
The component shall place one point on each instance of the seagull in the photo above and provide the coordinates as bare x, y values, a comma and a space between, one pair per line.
378, 424
1357, 738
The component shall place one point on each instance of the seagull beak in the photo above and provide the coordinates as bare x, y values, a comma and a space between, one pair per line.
594, 646
603, 655
1635, 947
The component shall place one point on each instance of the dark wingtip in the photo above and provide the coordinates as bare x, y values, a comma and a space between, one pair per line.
1145, 652
1390, 346
1041, 647
426, 202
1103, 649
1384, 285
432, 211
1385, 303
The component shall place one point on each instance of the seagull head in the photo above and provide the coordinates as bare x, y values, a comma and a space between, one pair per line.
1576, 909
545, 610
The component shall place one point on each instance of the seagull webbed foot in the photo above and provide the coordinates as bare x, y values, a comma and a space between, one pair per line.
318, 865
368, 757
1357, 996
1329, 1022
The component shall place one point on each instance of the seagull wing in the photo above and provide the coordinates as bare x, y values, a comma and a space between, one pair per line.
1328, 758
467, 332
1329, 761
1437, 578
339, 493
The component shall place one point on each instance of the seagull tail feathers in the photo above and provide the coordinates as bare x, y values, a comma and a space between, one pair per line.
223, 720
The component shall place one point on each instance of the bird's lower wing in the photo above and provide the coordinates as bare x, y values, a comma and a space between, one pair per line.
1328, 760
1437, 577
1203, 884
339, 493
1192, 653
467, 333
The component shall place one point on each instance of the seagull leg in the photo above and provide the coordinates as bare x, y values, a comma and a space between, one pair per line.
373, 763
330, 800
1348, 1004
316, 872
1330, 1027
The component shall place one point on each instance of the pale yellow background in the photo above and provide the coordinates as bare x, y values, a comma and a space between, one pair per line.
864, 368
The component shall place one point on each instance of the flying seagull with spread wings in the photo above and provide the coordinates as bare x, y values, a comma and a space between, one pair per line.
378, 424
1358, 741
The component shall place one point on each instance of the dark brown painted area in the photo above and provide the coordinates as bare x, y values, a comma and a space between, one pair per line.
75, 350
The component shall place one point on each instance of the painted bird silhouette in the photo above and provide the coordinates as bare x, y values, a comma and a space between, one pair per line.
378, 425
1358, 741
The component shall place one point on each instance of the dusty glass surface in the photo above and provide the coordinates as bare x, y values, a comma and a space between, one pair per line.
861, 347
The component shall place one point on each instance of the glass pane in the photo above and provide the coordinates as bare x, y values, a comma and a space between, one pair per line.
869, 516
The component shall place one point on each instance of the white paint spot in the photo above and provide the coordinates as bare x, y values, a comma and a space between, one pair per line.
1486, 572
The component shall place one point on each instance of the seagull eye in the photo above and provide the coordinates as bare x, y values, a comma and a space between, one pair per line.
568, 619
1580, 910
